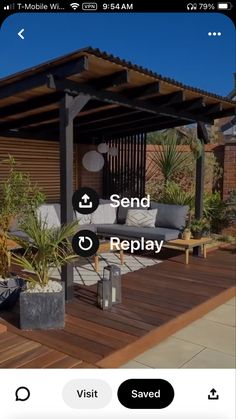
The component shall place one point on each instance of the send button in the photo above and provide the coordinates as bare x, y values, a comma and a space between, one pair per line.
146, 394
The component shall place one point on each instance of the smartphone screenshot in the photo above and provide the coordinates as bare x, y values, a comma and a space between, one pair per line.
117, 209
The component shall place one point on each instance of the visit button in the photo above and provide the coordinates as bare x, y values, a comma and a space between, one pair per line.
146, 394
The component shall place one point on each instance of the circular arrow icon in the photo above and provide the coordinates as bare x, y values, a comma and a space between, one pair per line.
84, 240
85, 243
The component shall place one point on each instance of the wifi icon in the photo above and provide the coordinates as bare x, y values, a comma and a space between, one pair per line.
74, 6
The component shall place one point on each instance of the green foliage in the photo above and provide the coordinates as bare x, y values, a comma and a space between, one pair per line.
217, 211
46, 248
174, 194
199, 225
169, 161
18, 198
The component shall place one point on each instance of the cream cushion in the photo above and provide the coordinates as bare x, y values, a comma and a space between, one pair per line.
104, 214
141, 218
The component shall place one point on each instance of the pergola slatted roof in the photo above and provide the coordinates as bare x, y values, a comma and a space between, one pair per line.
124, 98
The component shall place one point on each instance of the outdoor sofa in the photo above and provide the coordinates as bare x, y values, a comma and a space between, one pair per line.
107, 221
169, 223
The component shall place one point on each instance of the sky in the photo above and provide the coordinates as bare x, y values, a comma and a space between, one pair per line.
173, 45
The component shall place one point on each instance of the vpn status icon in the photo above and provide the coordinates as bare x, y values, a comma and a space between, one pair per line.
74, 6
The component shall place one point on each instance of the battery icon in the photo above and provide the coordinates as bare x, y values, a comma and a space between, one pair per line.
224, 6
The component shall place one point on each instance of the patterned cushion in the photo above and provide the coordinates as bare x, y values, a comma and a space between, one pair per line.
141, 218
104, 214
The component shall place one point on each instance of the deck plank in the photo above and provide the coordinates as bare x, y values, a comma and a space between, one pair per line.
157, 301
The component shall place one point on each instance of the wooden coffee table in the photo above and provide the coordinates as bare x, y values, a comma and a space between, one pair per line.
11, 245
187, 245
105, 247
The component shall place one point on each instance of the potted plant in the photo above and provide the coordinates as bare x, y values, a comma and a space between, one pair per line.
186, 235
198, 226
42, 303
18, 198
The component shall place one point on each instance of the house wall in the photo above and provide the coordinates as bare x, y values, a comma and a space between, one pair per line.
229, 183
41, 160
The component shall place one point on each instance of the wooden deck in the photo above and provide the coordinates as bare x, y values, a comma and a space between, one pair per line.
157, 301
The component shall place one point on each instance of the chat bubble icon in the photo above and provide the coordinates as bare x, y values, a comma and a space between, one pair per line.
22, 394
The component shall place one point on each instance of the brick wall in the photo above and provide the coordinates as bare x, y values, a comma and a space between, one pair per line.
210, 150
229, 182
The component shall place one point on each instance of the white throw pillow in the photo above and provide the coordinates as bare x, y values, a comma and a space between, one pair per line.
141, 218
50, 214
83, 219
104, 214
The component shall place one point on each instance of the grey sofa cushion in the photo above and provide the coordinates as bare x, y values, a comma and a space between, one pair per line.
90, 227
104, 201
20, 234
126, 232
170, 216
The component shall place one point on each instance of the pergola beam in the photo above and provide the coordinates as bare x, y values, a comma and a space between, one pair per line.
111, 80
31, 104
117, 98
53, 98
145, 91
77, 66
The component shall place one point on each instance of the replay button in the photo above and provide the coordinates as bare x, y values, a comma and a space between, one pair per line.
146, 394
87, 394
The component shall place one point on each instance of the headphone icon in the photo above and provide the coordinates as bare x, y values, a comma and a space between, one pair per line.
192, 6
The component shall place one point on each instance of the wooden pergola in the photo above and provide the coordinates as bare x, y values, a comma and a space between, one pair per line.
90, 96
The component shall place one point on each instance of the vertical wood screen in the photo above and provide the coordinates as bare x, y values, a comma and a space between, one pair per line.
124, 174
38, 158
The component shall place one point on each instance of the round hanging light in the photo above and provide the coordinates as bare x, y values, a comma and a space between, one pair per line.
93, 161
103, 148
113, 151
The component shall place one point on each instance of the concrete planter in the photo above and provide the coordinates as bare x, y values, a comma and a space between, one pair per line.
42, 311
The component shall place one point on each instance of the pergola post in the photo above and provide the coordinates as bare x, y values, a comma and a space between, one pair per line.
200, 168
69, 108
66, 181
200, 165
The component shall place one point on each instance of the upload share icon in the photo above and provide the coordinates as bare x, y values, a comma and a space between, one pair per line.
85, 201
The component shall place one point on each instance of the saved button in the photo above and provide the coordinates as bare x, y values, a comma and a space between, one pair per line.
146, 394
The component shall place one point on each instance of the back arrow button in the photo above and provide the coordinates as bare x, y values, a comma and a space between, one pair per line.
20, 34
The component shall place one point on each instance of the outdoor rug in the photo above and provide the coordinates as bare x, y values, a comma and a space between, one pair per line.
84, 272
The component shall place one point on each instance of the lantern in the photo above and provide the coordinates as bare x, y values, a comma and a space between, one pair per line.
104, 294
93, 161
112, 274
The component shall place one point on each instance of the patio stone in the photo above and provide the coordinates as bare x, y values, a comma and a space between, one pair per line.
224, 314
171, 353
209, 358
232, 302
134, 364
209, 334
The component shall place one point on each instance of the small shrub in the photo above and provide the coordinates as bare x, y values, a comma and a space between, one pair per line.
217, 211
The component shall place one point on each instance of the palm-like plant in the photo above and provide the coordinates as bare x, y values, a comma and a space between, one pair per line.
169, 160
174, 194
46, 248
